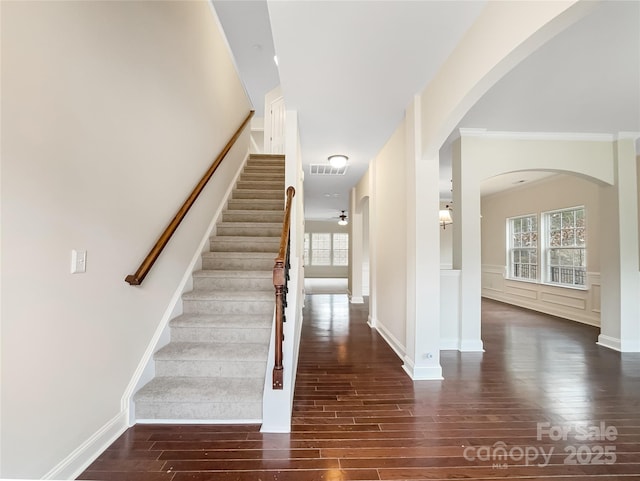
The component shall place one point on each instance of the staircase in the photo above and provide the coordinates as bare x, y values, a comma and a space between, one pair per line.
214, 366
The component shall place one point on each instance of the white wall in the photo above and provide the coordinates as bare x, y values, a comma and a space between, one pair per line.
365, 247
257, 135
551, 193
310, 271
389, 229
111, 113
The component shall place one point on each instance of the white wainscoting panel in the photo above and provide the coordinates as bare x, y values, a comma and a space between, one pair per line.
581, 305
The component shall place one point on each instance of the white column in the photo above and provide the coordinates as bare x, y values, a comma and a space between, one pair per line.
620, 304
466, 245
422, 355
355, 250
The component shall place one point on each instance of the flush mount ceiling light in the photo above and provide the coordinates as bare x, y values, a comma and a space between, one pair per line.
338, 161
343, 219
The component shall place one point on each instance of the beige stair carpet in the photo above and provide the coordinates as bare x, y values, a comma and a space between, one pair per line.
213, 369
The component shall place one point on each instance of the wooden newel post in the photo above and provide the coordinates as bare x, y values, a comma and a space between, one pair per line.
280, 277
278, 283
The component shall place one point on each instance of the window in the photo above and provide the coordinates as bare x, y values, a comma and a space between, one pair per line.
320, 249
563, 248
523, 247
566, 252
326, 249
307, 242
340, 249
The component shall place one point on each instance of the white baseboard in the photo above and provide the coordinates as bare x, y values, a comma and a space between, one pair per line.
471, 345
73, 465
393, 342
371, 322
422, 373
198, 421
618, 344
609, 342
357, 300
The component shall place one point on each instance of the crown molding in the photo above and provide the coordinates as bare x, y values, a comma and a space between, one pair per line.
570, 136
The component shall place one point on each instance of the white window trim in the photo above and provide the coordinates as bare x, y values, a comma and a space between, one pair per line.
544, 229
510, 248
331, 250
542, 247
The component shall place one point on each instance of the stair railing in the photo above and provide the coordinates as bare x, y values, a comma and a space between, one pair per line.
280, 278
137, 278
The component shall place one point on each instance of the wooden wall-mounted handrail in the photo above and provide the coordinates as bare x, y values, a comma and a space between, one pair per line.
280, 278
137, 278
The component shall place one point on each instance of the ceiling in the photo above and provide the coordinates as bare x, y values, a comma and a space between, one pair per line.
350, 69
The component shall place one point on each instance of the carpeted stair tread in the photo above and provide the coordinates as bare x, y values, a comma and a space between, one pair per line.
257, 216
265, 176
266, 274
272, 168
257, 194
251, 204
242, 255
223, 321
249, 229
211, 351
201, 389
245, 244
247, 239
252, 211
238, 260
230, 295
250, 223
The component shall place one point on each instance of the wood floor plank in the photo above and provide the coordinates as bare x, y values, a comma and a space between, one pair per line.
357, 416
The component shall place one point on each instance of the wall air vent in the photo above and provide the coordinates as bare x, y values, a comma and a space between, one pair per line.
327, 169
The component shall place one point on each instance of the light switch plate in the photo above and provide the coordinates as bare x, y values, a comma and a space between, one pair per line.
78, 261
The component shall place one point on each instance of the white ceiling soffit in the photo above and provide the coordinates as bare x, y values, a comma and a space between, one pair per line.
350, 69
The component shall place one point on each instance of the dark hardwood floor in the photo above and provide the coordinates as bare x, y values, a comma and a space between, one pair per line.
543, 402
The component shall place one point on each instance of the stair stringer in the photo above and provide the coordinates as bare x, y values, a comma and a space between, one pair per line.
161, 337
